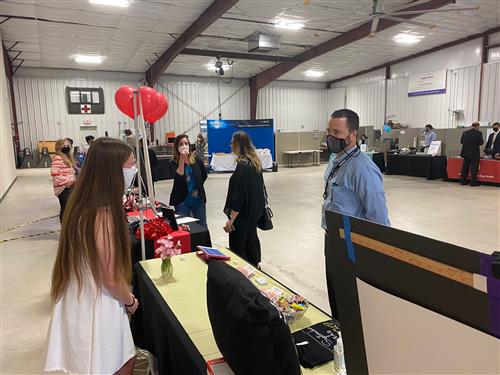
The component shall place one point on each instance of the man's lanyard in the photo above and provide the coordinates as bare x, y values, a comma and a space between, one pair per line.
357, 151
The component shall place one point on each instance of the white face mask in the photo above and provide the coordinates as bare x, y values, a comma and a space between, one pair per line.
128, 176
183, 148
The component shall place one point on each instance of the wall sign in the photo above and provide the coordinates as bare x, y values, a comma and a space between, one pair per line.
427, 83
85, 100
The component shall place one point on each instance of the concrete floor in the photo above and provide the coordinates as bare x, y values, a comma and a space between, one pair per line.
292, 252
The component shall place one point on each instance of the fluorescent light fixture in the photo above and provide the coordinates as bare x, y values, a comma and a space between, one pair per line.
88, 59
113, 3
407, 38
289, 25
314, 73
211, 66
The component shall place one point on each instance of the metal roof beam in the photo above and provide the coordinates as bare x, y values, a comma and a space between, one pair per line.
235, 55
207, 18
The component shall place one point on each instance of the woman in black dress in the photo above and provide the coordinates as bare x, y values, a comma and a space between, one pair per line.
245, 200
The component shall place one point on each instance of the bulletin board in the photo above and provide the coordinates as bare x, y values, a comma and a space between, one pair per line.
220, 133
410, 304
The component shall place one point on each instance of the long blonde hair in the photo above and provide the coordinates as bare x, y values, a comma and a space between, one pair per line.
67, 158
99, 189
245, 150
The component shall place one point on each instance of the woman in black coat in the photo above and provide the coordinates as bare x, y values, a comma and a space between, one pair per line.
245, 200
188, 194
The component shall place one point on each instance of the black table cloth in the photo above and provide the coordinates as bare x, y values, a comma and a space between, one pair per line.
163, 168
378, 159
430, 167
156, 329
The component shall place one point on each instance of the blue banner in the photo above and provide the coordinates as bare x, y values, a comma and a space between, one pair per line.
220, 133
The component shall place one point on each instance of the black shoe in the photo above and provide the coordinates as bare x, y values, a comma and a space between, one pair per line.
463, 182
475, 183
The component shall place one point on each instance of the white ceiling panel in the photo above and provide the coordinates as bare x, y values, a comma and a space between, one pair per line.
127, 37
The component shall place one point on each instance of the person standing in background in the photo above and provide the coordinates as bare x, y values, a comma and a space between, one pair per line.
200, 147
430, 135
63, 174
89, 139
493, 144
245, 201
188, 194
130, 138
153, 162
89, 332
471, 140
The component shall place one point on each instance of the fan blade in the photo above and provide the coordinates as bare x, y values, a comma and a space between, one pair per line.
407, 5
413, 22
403, 13
373, 29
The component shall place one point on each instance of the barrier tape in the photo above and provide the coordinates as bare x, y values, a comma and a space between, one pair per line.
30, 235
27, 223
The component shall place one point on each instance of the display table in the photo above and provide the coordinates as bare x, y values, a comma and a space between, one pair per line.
419, 165
200, 236
378, 159
227, 163
315, 156
172, 321
163, 168
489, 170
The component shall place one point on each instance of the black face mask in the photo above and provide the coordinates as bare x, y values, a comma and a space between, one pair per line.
65, 149
495, 129
336, 145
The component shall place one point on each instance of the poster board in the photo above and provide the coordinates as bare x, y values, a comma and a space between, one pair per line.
427, 83
396, 291
220, 133
435, 148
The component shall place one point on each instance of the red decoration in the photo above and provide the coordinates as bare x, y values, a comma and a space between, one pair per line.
154, 229
124, 99
149, 99
161, 110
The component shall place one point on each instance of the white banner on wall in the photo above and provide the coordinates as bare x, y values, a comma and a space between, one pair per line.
427, 83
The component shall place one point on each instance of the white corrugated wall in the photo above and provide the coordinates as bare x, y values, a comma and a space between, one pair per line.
368, 101
335, 99
490, 96
294, 108
463, 89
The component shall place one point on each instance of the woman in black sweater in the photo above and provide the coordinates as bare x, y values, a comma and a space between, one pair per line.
245, 200
188, 194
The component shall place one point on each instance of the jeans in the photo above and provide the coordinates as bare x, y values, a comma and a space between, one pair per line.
199, 212
63, 201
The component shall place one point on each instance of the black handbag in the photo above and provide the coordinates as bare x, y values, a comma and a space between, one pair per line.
265, 222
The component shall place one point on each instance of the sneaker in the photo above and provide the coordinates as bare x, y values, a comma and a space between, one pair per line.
475, 183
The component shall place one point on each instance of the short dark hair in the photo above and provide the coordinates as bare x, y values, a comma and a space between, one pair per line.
351, 117
429, 126
475, 124
496, 123
128, 132
89, 138
69, 140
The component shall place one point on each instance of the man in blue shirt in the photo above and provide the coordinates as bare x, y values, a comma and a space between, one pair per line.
353, 183
430, 136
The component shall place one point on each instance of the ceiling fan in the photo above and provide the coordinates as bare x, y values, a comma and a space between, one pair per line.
394, 14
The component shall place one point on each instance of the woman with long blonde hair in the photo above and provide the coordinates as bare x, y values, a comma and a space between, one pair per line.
63, 173
89, 332
245, 200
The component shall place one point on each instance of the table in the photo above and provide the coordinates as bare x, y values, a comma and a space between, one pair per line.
315, 154
417, 165
172, 321
227, 163
378, 159
489, 170
163, 168
200, 236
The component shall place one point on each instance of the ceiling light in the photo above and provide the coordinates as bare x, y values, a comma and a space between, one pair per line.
114, 3
212, 67
289, 25
88, 59
407, 38
314, 73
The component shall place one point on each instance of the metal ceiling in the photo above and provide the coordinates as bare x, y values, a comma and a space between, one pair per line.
49, 32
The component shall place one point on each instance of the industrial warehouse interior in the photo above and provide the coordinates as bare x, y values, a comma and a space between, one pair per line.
320, 193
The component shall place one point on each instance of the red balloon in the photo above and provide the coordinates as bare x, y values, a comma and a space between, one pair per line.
149, 100
124, 99
160, 110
